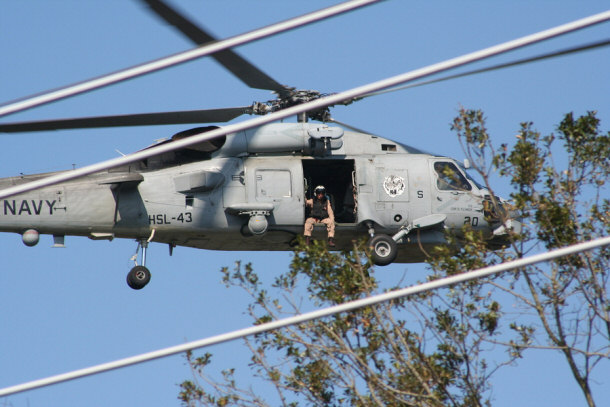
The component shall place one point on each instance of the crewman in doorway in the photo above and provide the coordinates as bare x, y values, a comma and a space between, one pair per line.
321, 212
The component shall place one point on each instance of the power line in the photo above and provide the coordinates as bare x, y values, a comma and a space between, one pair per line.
541, 57
282, 323
181, 58
315, 104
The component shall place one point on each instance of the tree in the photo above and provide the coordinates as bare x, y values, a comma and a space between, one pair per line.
561, 203
436, 349
414, 352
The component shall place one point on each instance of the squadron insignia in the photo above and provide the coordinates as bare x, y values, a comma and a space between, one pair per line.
394, 185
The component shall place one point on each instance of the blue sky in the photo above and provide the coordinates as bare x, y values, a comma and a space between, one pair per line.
65, 309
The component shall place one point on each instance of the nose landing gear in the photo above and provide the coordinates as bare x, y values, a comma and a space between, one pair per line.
139, 276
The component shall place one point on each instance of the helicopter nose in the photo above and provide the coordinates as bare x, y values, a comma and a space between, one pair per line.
512, 224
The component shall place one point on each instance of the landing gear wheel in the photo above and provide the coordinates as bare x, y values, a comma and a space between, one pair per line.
138, 277
384, 249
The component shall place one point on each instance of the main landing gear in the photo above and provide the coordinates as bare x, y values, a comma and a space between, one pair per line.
383, 247
139, 276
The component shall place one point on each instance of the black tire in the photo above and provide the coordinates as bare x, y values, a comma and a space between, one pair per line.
138, 277
383, 249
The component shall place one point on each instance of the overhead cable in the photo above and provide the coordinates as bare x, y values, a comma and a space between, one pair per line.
182, 57
325, 312
549, 55
315, 104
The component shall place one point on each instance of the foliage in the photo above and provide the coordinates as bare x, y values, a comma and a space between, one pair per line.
441, 348
562, 201
425, 351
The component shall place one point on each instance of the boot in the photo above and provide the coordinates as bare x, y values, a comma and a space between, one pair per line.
331, 241
307, 240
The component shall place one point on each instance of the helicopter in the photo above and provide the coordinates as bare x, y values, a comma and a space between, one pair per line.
246, 190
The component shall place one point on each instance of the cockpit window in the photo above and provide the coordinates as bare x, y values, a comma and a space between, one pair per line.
450, 178
471, 178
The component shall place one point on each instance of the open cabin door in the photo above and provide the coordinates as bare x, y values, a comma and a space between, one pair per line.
338, 176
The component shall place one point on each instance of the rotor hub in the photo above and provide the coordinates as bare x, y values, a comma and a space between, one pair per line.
294, 98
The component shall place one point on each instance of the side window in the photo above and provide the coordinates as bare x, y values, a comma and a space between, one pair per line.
449, 178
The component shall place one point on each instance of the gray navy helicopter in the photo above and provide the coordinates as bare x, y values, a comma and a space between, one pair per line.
246, 190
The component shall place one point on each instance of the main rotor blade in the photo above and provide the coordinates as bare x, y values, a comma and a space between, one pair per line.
315, 104
347, 126
142, 119
182, 57
523, 61
236, 64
